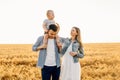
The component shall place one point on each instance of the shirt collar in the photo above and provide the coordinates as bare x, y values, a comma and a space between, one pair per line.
75, 41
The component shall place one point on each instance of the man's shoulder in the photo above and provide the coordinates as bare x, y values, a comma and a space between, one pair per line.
40, 37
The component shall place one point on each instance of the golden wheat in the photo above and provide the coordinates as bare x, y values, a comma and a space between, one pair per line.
101, 62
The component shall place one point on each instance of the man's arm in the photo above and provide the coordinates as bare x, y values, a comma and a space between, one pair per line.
37, 44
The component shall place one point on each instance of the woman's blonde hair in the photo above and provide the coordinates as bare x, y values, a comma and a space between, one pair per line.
78, 37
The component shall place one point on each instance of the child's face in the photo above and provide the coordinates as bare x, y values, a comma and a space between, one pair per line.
50, 15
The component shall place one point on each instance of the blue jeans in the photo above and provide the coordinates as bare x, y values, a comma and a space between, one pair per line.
50, 71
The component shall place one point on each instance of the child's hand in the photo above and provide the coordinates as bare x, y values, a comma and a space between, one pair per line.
57, 24
46, 30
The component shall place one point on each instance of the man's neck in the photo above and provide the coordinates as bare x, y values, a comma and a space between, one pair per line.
50, 38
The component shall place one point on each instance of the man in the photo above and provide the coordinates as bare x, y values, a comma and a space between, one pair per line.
49, 58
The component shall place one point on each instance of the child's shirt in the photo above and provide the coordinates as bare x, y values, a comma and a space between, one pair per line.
48, 22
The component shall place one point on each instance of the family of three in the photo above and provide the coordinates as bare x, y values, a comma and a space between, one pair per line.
51, 47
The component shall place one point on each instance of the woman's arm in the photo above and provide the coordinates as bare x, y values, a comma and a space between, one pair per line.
61, 42
62, 39
78, 54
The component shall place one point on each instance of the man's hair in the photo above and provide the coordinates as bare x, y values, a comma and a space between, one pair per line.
53, 27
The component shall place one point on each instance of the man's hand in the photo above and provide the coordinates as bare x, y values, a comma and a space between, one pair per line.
38, 48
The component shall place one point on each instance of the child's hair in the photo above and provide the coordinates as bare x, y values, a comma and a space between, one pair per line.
49, 11
53, 27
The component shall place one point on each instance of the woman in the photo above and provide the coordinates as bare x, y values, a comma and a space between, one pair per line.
72, 50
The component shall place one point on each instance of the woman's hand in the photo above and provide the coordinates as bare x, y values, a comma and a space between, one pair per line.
73, 53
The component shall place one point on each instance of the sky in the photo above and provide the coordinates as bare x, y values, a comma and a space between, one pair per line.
21, 20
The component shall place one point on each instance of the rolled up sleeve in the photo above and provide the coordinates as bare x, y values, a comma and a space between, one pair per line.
80, 53
37, 44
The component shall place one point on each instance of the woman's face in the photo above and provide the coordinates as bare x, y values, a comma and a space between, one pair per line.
73, 32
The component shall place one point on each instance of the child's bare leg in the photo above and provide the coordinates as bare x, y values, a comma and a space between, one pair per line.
44, 45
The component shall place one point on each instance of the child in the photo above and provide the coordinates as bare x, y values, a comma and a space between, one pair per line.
46, 23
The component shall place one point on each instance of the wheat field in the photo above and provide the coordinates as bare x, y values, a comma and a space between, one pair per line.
101, 62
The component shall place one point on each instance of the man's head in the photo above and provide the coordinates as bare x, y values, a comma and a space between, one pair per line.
52, 31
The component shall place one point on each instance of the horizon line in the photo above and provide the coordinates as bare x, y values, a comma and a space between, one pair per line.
83, 43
